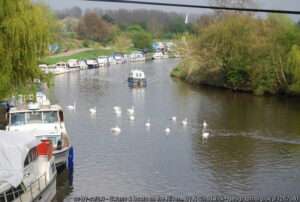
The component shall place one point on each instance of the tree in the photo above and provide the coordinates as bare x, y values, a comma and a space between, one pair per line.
245, 53
234, 3
74, 12
93, 27
122, 42
140, 38
25, 33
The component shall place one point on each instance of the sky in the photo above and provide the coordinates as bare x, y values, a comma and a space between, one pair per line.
267, 4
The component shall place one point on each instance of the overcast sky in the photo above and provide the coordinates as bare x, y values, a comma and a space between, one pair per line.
268, 4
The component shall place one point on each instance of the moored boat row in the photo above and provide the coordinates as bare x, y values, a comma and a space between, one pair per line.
104, 61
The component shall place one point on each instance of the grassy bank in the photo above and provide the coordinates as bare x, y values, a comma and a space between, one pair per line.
82, 55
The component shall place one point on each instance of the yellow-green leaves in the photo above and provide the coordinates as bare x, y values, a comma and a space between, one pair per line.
24, 37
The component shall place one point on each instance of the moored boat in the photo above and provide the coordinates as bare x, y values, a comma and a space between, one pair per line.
137, 78
27, 168
45, 118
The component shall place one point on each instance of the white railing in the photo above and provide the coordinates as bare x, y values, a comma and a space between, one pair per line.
25, 194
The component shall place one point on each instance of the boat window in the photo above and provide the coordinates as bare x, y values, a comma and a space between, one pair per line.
50, 117
17, 119
31, 156
34, 117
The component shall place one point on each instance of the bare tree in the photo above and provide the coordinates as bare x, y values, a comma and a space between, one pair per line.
234, 3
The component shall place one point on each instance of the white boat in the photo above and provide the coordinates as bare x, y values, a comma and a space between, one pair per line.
27, 168
83, 65
46, 119
102, 61
92, 64
137, 57
112, 60
119, 58
157, 55
73, 63
137, 78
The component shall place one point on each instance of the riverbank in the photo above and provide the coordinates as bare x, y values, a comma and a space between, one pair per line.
215, 79
261, 60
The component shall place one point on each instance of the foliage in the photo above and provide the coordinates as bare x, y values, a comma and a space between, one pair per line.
122, 42
252, 54
25, 33
93, 27
140, 38
156, 22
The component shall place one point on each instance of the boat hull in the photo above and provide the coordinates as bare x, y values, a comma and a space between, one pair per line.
48, 193
135, 83
61, 156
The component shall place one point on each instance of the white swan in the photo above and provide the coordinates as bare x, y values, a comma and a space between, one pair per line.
130, 110
116, 130
117, 108
205, 135
118, 112
93, 110
167, 130
184, 122
72, 107
204, 124
131, 118
148, 124
174, 118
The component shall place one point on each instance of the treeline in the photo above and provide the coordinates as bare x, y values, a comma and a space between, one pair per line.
108, 26
243, 52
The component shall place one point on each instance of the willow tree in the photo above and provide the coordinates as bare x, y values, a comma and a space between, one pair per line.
25, 32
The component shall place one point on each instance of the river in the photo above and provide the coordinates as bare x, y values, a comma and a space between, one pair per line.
253, 149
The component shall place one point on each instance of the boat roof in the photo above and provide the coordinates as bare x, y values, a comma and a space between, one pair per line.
136, 71
25, 108
14, 147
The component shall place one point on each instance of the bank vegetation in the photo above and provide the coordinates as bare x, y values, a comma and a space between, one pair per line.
244, 53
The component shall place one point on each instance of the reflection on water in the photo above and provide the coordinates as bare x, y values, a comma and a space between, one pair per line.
64, 185
253, 147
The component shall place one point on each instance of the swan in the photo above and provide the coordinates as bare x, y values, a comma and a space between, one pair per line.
72, 107
117, 108
131, 118
173, 118
130, 110
204, 124
118, 112
148, 124
93, 110
184, 122
205, 135
116, 130
167, 130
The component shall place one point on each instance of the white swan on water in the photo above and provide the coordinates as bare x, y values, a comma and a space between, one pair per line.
148, 124
72, 107
184, 122
130, 110
118, 112
205, 135
93, 110
116, 130
173, 118
204, 124
131, 118
117, 108
167, 130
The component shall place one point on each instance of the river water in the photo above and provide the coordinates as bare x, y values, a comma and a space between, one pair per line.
253, 149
